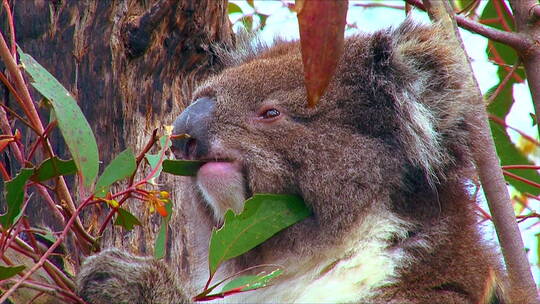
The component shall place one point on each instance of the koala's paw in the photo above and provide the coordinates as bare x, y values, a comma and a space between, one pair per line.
114, 276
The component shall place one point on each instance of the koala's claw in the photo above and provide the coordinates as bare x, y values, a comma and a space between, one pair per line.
114, 276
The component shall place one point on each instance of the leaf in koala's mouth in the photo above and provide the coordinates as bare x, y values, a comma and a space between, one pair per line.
182, 167
264, 215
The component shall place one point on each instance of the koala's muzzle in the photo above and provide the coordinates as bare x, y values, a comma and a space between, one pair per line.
194, 121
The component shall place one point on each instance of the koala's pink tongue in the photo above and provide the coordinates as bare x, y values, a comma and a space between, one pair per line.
222, 185
217, 169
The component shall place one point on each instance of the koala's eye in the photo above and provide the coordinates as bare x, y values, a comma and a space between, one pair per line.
270, 114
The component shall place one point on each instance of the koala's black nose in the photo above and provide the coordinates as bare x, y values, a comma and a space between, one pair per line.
193, 121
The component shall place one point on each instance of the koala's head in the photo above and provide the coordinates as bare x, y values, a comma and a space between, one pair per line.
393, 110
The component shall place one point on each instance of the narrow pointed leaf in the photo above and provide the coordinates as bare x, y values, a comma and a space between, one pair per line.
15, 198
125, 219
251, 282
322, 25
54, 167
160, 244
11, 271
182, 167
264, 215
122, 166
75, 129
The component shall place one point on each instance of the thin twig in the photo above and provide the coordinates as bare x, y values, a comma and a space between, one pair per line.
503, 83
501, 122
49, 251
512, 39
521, 179
531, 167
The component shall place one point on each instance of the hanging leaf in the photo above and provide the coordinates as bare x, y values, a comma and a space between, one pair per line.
125, 219
71, 121
264, 215
8, 272
496, 51
122, 166
161, 240
15, 198
54, 167
322, 25
182, 167
233, 8
510, 155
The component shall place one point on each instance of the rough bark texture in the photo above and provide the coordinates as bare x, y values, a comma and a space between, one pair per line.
130, 64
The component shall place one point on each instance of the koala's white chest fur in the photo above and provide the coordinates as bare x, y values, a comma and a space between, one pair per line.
340, 275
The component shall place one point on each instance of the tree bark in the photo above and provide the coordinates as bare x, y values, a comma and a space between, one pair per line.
131, 65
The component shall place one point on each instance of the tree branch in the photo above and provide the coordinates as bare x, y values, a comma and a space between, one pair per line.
528, 25
522, 287
513, 40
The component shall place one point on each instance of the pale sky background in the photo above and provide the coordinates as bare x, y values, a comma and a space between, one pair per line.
283, 23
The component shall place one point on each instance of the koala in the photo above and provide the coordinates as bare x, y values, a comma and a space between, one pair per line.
382, 161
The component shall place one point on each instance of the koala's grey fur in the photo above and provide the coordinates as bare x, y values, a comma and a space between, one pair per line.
382, 161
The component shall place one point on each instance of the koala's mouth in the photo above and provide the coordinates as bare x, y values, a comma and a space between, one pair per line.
222, 185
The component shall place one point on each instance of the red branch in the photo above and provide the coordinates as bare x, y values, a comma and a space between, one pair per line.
512, 39
521, 179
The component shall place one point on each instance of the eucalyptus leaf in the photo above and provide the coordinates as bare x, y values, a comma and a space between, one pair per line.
251, 282
182, 167
510, 155
125, 219
122, 166
54, 167
264, 215
233, 8
15, 198
160, 244
74, 127
11, 271
153, 159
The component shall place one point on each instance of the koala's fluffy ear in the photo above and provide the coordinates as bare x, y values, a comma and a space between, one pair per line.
416, 74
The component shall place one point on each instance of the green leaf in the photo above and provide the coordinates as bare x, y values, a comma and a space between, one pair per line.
264, 215
122, 166
125, 219
161, 239
153, 159
233, 8
54, 167
247, 22
537, 247
74, 127
263, 19
251, 282
11, 271
466, 6
182, 167
510, 155
15, 197
47, 235
507, 54
501, 105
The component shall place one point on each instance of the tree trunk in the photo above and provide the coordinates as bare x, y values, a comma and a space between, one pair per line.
131, 65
